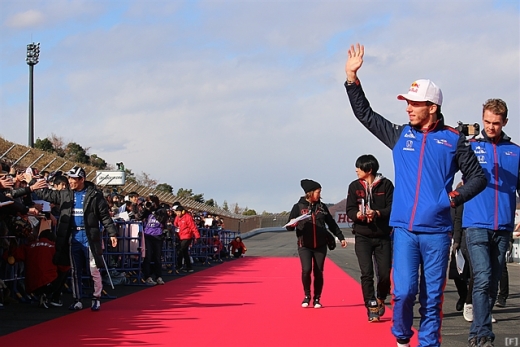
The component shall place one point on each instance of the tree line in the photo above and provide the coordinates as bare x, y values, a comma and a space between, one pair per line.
74, 152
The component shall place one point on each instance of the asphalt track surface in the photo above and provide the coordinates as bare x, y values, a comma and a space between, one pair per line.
16, 316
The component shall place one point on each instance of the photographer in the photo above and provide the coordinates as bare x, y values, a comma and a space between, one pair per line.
154, 221
17, 197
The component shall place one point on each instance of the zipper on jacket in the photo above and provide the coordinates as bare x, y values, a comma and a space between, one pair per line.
495, 164
418, 185
314, 229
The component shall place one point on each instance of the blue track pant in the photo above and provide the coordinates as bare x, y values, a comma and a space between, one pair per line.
426, 255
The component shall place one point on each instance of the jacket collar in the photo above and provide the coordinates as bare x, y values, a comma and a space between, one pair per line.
502, 138
437, 125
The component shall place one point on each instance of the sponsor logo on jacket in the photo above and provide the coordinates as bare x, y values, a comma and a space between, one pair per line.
443, 142
409, 146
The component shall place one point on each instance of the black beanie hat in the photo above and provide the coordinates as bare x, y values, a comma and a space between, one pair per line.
177, 206
309, 185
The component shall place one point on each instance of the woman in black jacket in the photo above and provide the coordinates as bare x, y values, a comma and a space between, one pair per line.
312, 235
369, 201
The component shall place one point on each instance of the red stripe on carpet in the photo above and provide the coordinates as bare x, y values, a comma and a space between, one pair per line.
247, 302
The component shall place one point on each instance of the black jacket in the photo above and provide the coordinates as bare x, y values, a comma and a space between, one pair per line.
379, 197
95, 210
312, 233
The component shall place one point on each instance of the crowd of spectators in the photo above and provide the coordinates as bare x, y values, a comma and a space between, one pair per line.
28, 233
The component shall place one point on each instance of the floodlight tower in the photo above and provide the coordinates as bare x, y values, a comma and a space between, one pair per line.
33, 53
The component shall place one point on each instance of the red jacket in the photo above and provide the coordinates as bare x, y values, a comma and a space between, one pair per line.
39, 268
237, 245
186, 226
217, 245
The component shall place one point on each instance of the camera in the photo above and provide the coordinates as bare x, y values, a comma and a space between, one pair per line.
148, 204
468, 129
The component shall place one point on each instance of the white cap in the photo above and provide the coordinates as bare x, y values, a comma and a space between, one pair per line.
423, 90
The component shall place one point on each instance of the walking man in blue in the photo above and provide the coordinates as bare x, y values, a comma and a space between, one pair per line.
78, 236
489, 218
426, 154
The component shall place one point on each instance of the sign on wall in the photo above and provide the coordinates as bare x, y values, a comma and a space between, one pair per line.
342, 220
110, 178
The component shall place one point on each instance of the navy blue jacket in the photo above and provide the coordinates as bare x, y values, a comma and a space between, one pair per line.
495, 207
425, 163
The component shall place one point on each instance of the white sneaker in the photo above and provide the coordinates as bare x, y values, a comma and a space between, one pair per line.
150, 281
96, 304
76, 306
468, 312
160, 280
493, 320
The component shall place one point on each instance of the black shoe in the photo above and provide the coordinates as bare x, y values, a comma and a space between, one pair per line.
56, 302
460, 305
306, 301
486, 342
473, 342
373, 311
381, 306
43, 301
501, 302
317, 303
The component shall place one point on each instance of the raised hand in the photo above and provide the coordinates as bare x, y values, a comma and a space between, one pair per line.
6, 182
354, 61
40, 184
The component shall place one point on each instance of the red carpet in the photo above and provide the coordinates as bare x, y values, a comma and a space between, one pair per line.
247, 302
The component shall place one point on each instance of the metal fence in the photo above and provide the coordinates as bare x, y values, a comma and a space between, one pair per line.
124, 262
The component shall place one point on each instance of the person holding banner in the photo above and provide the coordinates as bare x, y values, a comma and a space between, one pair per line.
369, 202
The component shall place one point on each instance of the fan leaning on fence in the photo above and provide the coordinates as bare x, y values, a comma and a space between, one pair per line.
79, 240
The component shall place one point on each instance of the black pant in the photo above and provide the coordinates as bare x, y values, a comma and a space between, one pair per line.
312, 260
503, 292
184, 253
381, 250
238, 252
54, 289
153, 254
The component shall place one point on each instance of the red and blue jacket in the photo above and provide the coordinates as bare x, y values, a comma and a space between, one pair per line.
495, 207
425, 162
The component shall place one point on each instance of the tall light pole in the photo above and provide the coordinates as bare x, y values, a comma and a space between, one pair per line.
33, 53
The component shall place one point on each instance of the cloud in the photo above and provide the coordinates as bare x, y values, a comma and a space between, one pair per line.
27, 19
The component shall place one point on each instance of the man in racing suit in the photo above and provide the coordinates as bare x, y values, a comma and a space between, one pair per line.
426, 154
